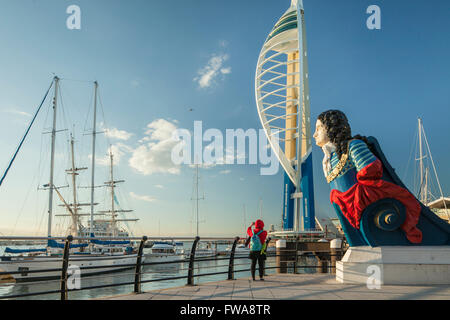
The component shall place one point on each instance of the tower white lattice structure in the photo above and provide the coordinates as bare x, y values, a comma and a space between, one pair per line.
282, 99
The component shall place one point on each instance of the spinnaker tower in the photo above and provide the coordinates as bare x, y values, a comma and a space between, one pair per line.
282, 99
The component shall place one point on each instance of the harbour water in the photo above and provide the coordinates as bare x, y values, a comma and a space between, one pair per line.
148, 273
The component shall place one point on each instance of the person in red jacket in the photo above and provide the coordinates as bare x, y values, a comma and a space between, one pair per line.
256, 255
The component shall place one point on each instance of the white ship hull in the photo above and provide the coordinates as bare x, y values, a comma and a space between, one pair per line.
151, 257
27, 264
165, 252
203, 253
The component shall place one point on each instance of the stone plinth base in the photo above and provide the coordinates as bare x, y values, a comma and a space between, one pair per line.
396, 265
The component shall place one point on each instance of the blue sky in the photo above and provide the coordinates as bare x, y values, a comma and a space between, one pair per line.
149, 56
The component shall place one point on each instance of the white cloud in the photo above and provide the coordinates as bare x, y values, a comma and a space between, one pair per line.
151, 155
160, 129
207, 75
118, 134
224, 171
18, 112
118, 150
160, 186
135, 83
154, 153
142, 197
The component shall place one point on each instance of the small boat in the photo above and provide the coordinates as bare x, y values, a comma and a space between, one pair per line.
240, 250
203, 250
163, 251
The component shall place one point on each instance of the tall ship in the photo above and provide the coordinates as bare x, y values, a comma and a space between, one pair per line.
90, 252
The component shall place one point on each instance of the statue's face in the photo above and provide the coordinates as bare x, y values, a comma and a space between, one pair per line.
320, 135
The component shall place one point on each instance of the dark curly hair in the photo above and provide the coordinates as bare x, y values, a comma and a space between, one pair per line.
338, 130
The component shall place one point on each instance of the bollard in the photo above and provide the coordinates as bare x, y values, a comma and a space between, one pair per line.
190, 279
137, 275
231, 264
281, 256
336, 252
65, 265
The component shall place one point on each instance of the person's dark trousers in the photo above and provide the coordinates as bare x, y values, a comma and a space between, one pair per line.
256, 256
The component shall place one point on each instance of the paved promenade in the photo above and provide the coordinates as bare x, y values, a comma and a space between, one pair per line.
291, 287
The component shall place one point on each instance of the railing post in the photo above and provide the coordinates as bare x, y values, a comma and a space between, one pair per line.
137, 275
231, 264
190, 279
267, 246
65, 265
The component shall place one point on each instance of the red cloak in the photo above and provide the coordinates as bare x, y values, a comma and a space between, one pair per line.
370, 188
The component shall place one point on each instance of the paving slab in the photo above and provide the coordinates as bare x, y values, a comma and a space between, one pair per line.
291, 287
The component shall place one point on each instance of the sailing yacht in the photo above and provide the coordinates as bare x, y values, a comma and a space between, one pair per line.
203, 250
84, 253
439, 205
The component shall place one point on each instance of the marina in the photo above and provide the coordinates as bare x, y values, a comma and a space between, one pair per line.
256, 154
148, 276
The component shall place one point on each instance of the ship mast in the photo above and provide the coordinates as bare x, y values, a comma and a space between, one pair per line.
245, 220
114, 211
74, 172
423, 189
197, 198
52, 161
74, 188
422, 196
91, 225
73, 208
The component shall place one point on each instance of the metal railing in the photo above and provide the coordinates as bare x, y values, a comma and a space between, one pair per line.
64, 291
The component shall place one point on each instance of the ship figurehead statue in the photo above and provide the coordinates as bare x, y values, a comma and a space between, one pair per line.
384, 224
373, 205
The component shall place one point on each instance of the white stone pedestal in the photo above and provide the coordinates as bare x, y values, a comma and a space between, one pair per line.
395, 265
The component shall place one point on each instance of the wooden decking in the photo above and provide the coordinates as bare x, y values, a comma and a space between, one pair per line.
291, 287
